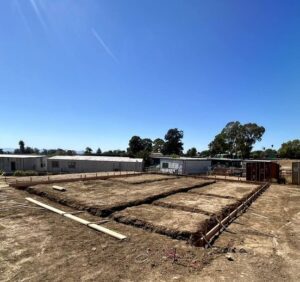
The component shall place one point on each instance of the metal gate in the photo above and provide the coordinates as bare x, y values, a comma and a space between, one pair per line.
296, 173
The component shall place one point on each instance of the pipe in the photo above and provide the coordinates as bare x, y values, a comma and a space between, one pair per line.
80, 220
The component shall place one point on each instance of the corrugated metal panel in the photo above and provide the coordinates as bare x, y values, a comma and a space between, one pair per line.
96, 158
262, 171
76, 166
20, 156
296, 173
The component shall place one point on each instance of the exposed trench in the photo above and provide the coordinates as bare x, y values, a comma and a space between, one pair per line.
202, 228
143, 181
109, 209
192, 238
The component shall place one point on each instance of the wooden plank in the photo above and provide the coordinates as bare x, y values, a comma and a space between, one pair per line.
59, 188
80, 220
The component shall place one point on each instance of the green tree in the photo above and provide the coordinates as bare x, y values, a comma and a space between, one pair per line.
98, 152
258, 154
249, 134
22, 146
191, 152
237, 139
88, 151
135, 145
290, 149
147, 144
204, 154
70, 153
158, 145
270, 154
173, 143
218, 145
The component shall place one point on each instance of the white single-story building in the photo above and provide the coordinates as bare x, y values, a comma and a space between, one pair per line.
77, 164
184, 165
10, 162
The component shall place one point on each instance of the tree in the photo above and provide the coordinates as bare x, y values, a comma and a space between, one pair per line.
88, 151
290, 149
191, 152
250, 133
116, 153
204, 154
270, 153
218, 145
158, 145
136, 145
237, 139
258, 154
173, 143
98, 152
70, 153
22, 146
232, 133
147, 144
1, 151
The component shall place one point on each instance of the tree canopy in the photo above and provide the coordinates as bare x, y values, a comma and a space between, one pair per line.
290, 149
88, 151
158, 145
237, 139
173, 142
191, 152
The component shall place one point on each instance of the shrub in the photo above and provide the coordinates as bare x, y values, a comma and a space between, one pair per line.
25, 173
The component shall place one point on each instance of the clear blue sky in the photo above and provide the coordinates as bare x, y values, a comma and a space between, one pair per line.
94, 73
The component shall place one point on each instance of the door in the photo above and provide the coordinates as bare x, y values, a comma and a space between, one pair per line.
296, 173
13, 166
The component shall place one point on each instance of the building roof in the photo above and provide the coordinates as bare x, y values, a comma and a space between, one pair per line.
197, 159
259, 161
96, 158
184, 158
20, 156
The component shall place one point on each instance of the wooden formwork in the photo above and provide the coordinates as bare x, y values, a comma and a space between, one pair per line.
221, 225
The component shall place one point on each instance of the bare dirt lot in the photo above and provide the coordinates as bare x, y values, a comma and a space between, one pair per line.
102, 197
223, 189
196, 203
143, 178
263, 244
172, 222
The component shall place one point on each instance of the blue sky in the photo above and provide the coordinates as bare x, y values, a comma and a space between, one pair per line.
94, 73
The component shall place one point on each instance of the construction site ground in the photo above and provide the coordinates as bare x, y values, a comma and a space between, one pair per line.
262, 244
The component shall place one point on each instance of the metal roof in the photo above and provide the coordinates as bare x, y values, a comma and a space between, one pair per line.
20, 156
184, 159
96, 158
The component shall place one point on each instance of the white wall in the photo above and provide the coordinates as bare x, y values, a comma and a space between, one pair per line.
93, 166
37, 164
174, 166
179, 166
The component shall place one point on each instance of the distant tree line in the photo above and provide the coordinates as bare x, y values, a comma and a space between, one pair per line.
235, 140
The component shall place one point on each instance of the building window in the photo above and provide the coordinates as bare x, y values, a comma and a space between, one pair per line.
55, 164
71, 164
165, 165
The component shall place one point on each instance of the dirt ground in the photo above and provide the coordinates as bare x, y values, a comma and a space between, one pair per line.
235, 190
102, 197
69, 176
172, 222
196, 203
263, 244
143, 178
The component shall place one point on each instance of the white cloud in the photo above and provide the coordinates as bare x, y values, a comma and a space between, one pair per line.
102, 43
